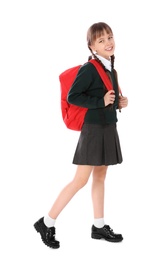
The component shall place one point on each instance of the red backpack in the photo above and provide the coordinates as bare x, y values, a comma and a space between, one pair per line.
73, 116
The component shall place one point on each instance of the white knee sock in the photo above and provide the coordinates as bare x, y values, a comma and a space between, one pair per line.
49, 222
99, 222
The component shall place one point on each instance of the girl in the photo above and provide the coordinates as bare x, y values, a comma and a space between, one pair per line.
98, 145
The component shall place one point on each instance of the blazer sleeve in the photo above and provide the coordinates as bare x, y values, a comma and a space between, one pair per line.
80, 91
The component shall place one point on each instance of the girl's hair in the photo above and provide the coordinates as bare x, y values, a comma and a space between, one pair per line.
95, 31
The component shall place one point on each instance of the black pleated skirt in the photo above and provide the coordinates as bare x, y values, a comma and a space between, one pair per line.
98, 145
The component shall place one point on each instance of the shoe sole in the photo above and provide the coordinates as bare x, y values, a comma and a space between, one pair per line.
96, 236
38, 229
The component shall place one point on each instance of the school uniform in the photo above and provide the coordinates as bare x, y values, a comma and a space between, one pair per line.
98, 142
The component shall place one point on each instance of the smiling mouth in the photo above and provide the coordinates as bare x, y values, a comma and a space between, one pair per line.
109, 49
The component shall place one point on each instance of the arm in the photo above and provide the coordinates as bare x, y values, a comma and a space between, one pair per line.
123, 101
85, 91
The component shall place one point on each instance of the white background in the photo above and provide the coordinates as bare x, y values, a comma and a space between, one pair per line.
40, 39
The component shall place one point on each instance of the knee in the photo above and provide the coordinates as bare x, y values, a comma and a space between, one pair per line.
99, 174
99, 179
80, 182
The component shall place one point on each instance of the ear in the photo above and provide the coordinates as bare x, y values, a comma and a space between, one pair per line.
93, 49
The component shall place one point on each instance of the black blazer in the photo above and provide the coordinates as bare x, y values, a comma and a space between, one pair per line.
88, 91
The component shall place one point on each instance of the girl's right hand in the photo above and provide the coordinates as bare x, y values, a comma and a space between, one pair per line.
109, 97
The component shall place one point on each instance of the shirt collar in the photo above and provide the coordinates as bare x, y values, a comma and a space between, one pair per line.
106, 63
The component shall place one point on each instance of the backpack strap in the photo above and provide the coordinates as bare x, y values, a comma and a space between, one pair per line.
104, 76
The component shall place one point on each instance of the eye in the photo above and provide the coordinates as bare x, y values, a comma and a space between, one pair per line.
100, 41
110, 37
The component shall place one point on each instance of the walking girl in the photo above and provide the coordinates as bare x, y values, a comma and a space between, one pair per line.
98, 146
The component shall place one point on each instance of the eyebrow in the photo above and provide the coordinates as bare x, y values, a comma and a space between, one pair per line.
102, 36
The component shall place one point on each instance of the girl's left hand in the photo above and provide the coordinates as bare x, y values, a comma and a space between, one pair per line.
123, 102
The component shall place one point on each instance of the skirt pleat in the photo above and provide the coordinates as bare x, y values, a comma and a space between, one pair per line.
98, 145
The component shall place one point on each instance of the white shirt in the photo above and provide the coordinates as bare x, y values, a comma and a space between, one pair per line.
106, 63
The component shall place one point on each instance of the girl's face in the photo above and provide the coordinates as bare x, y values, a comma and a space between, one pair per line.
104, 45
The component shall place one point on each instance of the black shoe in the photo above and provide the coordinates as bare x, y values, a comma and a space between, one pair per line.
47, 234
106, 233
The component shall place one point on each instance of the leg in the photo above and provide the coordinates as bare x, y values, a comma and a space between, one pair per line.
81, 178
99, 175
48, 233
105, 232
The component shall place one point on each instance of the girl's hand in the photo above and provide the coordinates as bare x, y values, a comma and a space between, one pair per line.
109, 97
123, 102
